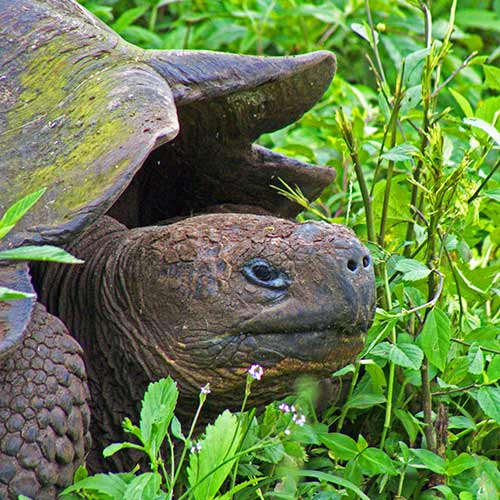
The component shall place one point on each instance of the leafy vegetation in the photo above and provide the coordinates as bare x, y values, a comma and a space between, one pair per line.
411, 124
41, 252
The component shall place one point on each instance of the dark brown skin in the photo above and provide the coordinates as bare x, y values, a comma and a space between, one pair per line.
185, 300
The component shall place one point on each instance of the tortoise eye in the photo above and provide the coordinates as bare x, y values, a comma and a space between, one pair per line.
263, 273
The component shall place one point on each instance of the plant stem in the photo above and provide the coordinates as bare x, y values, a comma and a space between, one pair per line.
430, 435
346, 131
392, 368
485, 181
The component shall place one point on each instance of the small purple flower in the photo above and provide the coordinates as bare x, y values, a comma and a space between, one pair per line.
206, 389
284, 408
256, 372
300, 420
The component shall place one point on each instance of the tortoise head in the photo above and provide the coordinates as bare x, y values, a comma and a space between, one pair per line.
213, 294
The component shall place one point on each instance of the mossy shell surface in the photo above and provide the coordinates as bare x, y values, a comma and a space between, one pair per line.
83, 113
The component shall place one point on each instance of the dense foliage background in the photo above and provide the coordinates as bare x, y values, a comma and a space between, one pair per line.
411, 124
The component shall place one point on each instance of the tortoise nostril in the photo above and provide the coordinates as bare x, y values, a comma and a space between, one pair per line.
352, 265
366, 261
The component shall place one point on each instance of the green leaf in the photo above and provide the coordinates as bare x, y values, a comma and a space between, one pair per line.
17, 211
10, 294
493, 371
113, 448
157, 411
425, 459
111, 485
330, 478
365, 400
489, 401
176, 429
47, 253
435, 338
209, 468
403, 354
493, 194
409, 423
364, 32
401, 152
463, 462
143, 487
485, 127
128, 18
344, 447
412, 270
463, 103
374, 461
492, 76
476, 359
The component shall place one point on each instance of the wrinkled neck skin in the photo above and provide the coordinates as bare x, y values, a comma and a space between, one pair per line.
93, 300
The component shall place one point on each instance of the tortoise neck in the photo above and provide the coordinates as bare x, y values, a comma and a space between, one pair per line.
93, 301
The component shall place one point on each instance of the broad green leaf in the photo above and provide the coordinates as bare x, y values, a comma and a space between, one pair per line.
476, 359
111, 485
273, 453
489, 401
113, 448
409, 423
176, 429
412, 270
330, 478
403, 354
128, 18
463, 462
493, 194
485, 127
344, 371
401, 152
374, 461
344, 447
435, 338
143, 487
365, 400
364, 32
10, 294
425, 459
209, 467
47, 253
463, 103
492, 76
157, 411
493, 371
17, 211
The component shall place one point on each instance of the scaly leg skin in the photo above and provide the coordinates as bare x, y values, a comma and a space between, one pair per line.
44, 412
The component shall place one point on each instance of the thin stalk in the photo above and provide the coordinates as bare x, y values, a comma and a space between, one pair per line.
390, 167
346, 131
354, 381
392, 368
374, 42
184, 449
485, 181
430, 435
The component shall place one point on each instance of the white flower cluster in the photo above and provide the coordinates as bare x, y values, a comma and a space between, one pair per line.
196, 447
256, 372
297, 419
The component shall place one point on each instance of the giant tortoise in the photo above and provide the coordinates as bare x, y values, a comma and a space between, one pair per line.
193, 266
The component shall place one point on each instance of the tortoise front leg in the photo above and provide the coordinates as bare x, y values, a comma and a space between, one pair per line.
44, 412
